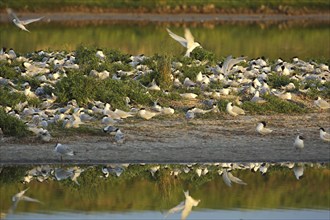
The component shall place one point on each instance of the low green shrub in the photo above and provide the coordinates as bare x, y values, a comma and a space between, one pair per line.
11, 125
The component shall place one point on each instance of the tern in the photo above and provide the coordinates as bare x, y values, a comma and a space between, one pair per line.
63, 150
20, 23
234, 110
322, 104
261, 128
299, 142
143, 113
324, 135
188, 42
185, 206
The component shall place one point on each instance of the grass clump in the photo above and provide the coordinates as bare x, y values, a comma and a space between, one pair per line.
10, 98
83, 89
164, 72
12, 126
76, 86
273, 105
201, 54
8, 72
276, 81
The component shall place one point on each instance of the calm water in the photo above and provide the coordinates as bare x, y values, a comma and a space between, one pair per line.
136, 194
274, 40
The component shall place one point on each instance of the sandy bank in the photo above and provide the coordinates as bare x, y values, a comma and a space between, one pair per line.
201, 140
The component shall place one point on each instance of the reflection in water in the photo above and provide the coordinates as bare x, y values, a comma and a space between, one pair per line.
150, 191
252, 40
185, 206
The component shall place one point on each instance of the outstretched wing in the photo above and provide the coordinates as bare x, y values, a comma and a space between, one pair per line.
179, 39
189, 37
12, 14
28, 21
29, 199
235, 179
175, 209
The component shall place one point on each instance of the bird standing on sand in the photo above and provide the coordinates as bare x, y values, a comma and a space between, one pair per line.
322, 104
63, 150
261, 128
324, 135
299, 142
234, 110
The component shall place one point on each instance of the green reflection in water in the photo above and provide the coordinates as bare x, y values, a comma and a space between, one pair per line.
137, 190
253, 40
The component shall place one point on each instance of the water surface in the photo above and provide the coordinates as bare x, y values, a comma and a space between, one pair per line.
272, 40
136, 194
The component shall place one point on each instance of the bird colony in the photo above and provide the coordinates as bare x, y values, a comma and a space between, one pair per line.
239, 78
220, 87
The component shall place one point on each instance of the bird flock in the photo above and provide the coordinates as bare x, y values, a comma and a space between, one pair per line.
46, 173
239, 76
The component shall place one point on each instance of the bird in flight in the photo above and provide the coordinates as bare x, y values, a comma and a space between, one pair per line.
188, 40
21, 23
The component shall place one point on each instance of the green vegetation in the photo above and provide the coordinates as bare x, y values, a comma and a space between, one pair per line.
273, 105
11, 125
84, 89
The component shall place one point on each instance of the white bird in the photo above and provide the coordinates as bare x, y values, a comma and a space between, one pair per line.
185, 206
119, 136
99, 54
234, 110
153, 86
153, 170
282, 95
143, 113
261, 128
110, 130
20, 23
324, 135
256, 98
188, 95
168, 110
228, 178
63, 150
187, 42
299, 142
322, 104
44, 135
123, 114
298, 171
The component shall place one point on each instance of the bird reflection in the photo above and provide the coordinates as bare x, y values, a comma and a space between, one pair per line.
21, 197
298, 171
228, 178
185, 206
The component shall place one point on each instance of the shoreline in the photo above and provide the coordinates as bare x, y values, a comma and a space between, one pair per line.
174, 141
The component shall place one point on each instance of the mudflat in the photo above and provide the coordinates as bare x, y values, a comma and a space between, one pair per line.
176, 141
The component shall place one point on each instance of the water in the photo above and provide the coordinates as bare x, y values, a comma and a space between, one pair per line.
270, 39
136, 194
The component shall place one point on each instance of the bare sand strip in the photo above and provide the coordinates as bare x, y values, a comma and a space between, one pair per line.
175, 141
